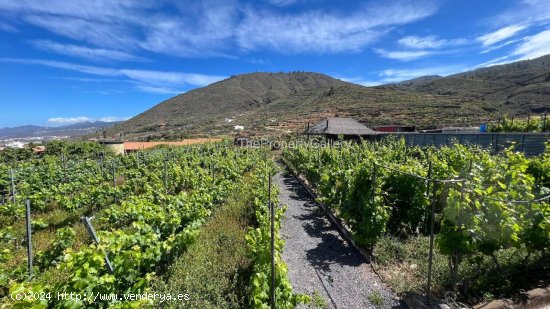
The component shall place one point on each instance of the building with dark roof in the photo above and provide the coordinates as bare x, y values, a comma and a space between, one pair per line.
348, 128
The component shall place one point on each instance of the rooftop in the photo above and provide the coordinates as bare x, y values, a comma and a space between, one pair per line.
340, 126
147, 145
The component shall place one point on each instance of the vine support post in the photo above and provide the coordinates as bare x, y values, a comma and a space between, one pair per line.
430, 256
114, 174
165, 174
271, 207
455, 258
318, 156
93, 235
114, 179
29, 236
373, 183
428, 182
64, 167
101, 168
12, 177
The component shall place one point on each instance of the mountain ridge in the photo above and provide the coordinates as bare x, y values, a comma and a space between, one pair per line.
285, 102
76, 129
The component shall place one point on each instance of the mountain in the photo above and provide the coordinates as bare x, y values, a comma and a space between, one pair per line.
230, 98
523, 84
77, 129
285, 102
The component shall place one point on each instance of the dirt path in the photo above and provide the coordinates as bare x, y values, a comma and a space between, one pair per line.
320, 261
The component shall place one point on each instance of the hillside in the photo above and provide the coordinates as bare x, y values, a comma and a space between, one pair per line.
230, 98
283, 102
523, 84
419, 81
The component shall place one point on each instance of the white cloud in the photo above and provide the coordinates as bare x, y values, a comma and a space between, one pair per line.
159, 90
204, 29
282, 2
7, 27
85, 52
66, 66
530, 47
69, 120
525, 12
500, 35
427, 42
112, 118
214, 28
81, 119
322, 32
497, 61
498, 46
392, 76
404, 55
99, 33
151, 78
534, 46
360, 81
175, 78
93, 10
92, 80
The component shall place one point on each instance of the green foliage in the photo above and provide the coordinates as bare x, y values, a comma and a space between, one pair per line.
64, 239
403, 265
259, 240
318, 302
515, 125
39, 225
145, 220
56, 148
376, 298
539, 168
364, 209
215, 270
381, 188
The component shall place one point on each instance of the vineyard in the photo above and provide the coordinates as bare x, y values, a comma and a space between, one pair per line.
521, 125
147, 209
453, 222
455, 219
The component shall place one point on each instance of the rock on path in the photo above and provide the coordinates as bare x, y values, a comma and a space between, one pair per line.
320, 261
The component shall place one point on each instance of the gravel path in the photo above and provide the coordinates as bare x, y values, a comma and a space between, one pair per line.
320, 261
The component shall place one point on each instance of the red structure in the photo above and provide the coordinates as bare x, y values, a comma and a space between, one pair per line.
394, 128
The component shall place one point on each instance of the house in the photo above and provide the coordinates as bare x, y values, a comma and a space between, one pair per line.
39, 149
348, 128
116, 146
460, 130
121, 147
136, 146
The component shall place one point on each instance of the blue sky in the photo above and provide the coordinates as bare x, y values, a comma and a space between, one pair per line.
65, 61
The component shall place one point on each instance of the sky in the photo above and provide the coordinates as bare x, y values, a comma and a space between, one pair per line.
69, 61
